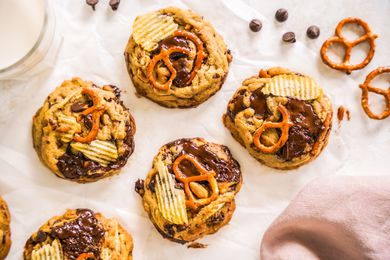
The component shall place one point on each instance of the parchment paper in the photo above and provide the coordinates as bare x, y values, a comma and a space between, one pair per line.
93, 49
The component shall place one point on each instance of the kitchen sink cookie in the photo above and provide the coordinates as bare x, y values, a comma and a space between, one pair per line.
175, 58
282, 118
5, 231
84, 132
79, 234
190, 190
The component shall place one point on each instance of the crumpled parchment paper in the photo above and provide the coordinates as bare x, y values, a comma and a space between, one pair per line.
93, 49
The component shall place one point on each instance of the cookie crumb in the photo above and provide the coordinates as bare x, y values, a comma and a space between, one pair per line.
341, 111
196, 245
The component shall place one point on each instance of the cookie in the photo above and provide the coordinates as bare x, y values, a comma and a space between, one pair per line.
79, 234
281, 117
5, 230
190, 190
175, 58
83, 132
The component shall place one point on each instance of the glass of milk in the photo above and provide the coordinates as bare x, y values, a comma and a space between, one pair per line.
27, 37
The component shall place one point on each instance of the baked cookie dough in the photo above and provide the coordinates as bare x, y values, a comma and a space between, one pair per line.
190, 190
281, 117
83, 132
175, 58
5, 231
79, 235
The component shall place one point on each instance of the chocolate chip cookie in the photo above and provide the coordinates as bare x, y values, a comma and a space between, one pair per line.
5, 230
281, 117
84, 132
175, 58
77, 235
190, 190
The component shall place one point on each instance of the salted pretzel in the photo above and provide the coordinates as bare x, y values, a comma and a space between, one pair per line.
204, 175
164, 56
97, 109
284, 127
366, 87
345, 65
85, 256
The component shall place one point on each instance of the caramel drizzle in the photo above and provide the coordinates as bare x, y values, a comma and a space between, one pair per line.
204, 175
164, 56
345, 65
284, 126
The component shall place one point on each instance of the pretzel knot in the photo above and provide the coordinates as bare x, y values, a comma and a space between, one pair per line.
284, 127
85, 256
366, 87
204, 175
97, 109
164, 56
345, 65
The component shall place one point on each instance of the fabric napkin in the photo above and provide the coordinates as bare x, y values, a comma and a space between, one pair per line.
338, 217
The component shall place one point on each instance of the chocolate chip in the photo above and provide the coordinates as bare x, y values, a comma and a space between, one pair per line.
40, 237
78, 107
140, 187
114, 4
281, 15
289, 37
88, 122
255, 25
92, 3
313, 32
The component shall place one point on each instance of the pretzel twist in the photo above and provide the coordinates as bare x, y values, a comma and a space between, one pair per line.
204, 175
97, 109
284, 127
345, 65
85, 256
164, 56
366, 87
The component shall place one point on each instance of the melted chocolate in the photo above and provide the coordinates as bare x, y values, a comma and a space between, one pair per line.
81, 235
179, 60
226, 171
257, 103
305, 131
74, 166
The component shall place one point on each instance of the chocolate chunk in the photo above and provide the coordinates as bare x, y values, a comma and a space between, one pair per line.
92, 3
305, 131
81, 235
179, 60
78, 107
281, 15
215, 219
114, 4
226, 170
313, 32
140, 187
88, 123
289, 37
255, 25
258, 103
40, 237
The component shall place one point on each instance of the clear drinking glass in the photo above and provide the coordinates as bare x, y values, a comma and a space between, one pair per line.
43, 53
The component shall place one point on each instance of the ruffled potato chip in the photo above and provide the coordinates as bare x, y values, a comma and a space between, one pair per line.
51, 251
103, 152
68, 126
293, 86
171, 201
151, 28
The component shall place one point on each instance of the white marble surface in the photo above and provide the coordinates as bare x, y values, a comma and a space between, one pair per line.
93, 49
